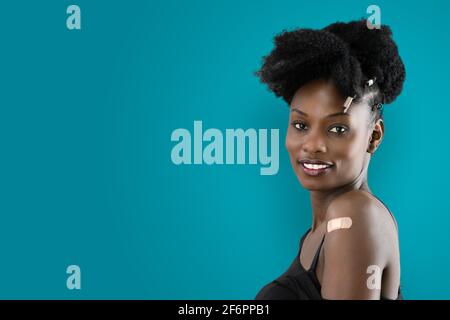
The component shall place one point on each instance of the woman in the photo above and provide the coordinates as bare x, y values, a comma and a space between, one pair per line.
335, 81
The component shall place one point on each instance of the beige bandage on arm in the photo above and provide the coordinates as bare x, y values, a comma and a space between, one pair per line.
339, 223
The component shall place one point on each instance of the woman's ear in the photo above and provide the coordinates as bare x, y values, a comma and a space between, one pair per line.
376, 136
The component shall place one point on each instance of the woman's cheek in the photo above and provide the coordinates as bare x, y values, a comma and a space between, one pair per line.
348, 155
290, 143
292, 146
356, 149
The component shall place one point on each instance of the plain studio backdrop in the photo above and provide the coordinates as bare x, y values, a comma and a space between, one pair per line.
86, 176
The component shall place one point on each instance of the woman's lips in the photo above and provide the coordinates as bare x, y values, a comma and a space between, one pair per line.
315, 167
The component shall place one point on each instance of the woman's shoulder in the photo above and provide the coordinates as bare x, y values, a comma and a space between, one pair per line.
368, 236
369, 224
362, 208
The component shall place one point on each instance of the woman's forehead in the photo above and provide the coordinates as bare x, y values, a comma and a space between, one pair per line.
318, 92
320, 98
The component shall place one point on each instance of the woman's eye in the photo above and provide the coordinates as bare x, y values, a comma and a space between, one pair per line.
338, 129
299, 126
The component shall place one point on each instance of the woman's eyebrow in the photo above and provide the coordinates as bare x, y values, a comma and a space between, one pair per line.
342, 113
299, 112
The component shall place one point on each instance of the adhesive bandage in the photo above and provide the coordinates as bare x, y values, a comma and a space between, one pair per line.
339, 223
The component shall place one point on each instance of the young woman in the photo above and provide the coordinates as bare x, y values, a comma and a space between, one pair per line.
336, 81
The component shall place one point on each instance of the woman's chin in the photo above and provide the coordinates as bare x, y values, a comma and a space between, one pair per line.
313, 184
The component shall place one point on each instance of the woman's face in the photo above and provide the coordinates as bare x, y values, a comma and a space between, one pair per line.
319, 132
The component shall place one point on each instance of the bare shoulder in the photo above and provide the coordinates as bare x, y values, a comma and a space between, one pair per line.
360, 235
370, 229
365, 211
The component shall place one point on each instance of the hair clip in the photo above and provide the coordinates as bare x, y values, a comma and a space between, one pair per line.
371, 81
347, 103
377, 106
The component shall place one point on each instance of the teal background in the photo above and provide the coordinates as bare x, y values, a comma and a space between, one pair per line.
86, 176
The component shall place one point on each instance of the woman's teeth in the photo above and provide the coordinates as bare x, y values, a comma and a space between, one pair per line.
315, 166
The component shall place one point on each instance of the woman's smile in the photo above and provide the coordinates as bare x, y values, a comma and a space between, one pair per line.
315, 167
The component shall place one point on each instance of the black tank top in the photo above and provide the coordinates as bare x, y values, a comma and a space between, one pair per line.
297, 283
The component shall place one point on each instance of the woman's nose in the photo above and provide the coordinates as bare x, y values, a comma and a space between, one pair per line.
314, 143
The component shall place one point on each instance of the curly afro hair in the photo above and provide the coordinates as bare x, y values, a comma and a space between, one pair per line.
348, 53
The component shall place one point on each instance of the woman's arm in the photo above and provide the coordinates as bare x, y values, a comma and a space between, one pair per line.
356, 256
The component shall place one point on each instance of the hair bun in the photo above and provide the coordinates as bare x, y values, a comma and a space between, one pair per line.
377, 54
350, 53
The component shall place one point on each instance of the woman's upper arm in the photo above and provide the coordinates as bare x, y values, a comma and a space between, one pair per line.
354, 259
